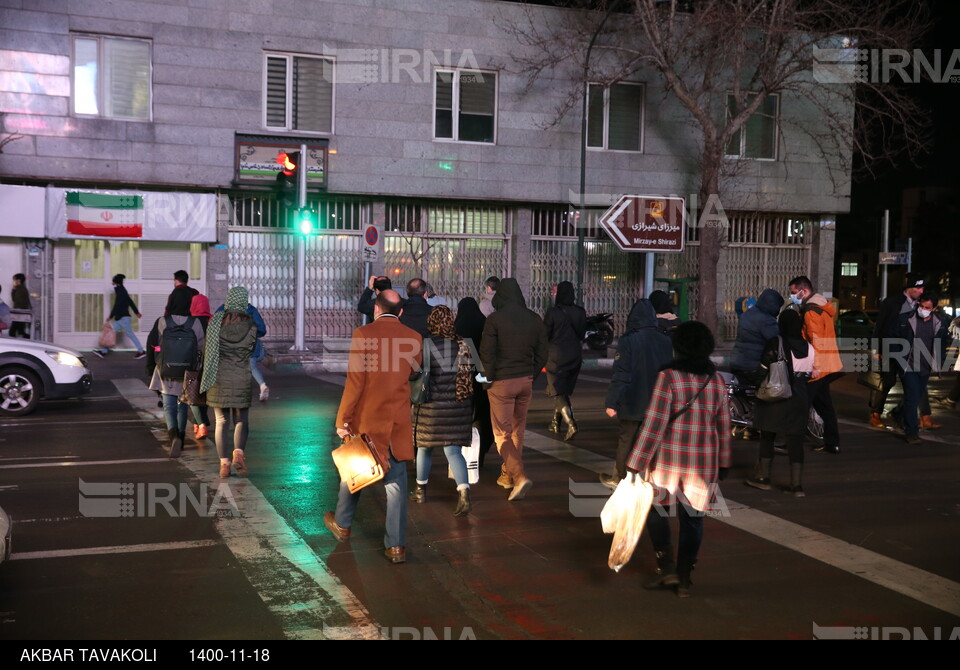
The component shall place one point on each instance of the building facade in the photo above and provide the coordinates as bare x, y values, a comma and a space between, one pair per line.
416, 121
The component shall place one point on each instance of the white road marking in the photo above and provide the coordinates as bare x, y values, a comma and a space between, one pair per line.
308, 600
923, 586
60, 464
120, 549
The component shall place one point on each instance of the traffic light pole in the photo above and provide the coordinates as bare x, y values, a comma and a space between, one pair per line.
300, 278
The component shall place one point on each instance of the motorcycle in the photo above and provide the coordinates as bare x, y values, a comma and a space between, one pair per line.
743, 398
599, 333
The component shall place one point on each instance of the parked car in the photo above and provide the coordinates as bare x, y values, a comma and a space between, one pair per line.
6, 527
31, 370
855, 323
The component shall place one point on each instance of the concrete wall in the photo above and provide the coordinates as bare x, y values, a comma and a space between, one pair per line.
208, 59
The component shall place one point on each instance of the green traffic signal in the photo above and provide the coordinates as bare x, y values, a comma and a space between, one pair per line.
307, 221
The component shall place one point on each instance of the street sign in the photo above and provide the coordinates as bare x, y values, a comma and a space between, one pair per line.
646, 223
894, 258
373, 242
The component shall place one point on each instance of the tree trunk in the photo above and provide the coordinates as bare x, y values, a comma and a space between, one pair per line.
710, 237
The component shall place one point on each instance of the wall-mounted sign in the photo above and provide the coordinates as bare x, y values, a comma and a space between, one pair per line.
256, 159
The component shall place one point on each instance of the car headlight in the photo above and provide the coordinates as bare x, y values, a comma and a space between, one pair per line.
63, 358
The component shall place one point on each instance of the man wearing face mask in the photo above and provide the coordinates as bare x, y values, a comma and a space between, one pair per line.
926, 336
884, 332
818, 329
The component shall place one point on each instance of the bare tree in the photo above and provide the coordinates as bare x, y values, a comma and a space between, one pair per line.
9, 137
722, 59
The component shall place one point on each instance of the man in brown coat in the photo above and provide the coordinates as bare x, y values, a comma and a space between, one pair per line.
376, 401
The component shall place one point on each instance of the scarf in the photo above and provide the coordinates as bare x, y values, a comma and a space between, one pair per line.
440, 322
236, 302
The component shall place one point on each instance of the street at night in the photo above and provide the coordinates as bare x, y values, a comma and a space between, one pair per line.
869, 550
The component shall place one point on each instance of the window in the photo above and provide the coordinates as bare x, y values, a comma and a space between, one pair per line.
465, 106
615, 117
849, 269
111, 77
298, 93
757, 138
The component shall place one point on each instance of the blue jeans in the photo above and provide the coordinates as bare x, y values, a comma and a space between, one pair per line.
123, 326
255, 371
175, 412
455, 458
394, 483
914, 384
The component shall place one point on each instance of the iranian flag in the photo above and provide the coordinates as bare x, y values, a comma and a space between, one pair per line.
104, 215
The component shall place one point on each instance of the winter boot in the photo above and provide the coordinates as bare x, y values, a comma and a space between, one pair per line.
571, 421
463, 504
796, 481
554, 425
684, 568
761, 475
176, 442
927, 423
876, 420
666, 571
418, 494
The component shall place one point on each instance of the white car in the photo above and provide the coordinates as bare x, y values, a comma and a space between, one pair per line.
6, 525
31, 370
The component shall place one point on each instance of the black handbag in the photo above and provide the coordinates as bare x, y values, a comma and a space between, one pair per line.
420, 381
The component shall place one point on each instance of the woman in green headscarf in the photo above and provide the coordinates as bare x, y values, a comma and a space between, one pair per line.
231, 336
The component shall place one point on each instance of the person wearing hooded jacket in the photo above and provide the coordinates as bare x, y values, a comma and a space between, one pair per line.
513, 351
758, 325
667, 321
786, 417
818, 329
641, 352
566, 324
231, 337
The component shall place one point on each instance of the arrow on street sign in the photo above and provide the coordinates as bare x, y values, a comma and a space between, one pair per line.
646, 223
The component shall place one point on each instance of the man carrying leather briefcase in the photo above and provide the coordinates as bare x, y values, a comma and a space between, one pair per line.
376, 401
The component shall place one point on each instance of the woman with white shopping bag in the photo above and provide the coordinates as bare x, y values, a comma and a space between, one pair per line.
683, 450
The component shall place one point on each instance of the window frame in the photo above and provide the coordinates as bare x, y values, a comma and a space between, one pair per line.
288, 93
455, 105
606, 117
743, 136
100, 83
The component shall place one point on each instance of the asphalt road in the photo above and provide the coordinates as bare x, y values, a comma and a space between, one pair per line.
161, 551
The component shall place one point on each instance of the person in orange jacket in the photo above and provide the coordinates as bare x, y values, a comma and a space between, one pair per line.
818, 329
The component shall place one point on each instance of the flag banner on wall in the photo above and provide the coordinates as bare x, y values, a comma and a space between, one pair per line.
149, 216
103, 215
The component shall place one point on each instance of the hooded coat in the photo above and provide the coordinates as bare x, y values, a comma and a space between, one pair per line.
565, 324
233, 386
642, 351
758, 325
514, 340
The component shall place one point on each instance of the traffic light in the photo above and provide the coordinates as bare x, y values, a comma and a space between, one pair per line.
288, 178
306, 221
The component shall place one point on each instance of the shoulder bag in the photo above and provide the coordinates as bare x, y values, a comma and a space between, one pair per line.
776, 385
420, 382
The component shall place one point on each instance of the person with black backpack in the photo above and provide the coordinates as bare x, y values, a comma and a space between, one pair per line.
173, 347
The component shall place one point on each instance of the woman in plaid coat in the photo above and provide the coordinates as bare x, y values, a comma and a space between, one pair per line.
684, 450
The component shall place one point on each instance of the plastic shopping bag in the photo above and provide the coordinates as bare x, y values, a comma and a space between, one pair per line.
625, 515
471, 455
108, 336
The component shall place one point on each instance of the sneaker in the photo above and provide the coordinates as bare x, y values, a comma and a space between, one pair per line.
944, 402
97, 353
202, 432
224, 469
264, 393
504, 481
762, 483
520, 489
140, 354
914, 440
795, 491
